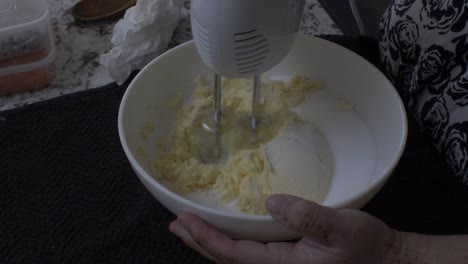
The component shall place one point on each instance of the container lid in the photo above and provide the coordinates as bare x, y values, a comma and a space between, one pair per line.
40, 62
21, 13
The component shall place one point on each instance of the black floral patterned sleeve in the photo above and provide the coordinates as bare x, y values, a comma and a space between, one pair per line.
424, 48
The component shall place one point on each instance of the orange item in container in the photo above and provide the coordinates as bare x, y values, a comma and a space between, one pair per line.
27, 48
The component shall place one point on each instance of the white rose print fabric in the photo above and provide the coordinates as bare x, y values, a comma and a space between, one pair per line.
424, 49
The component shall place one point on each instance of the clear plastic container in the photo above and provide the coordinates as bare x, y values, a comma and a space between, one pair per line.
27, 47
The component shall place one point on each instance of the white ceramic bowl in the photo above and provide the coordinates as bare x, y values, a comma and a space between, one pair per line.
366, 143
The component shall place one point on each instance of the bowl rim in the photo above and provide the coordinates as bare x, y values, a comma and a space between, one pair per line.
142, 173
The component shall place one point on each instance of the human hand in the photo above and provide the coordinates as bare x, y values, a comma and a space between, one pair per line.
329, 236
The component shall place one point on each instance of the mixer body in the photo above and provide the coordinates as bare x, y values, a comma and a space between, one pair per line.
244, 38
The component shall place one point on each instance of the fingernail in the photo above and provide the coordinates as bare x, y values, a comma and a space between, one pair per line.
275, 204
176, 229
184, 221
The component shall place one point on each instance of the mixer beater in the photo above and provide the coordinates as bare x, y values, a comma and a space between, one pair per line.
241, 39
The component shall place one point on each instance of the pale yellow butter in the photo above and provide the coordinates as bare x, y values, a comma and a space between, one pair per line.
244, 175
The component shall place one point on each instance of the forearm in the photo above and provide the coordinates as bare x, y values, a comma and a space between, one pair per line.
423, 249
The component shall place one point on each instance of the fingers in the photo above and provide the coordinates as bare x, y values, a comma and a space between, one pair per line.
213, 242
305, 217
177, 229
224, 250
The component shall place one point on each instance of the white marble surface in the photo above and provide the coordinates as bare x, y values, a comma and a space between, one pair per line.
79, 47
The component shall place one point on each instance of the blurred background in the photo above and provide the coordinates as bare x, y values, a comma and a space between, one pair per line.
82, 35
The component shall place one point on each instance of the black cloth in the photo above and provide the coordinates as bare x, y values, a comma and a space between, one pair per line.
69, 195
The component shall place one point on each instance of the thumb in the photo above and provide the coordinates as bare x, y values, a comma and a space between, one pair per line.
307, 218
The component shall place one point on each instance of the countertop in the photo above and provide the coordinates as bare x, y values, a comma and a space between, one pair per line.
79, 47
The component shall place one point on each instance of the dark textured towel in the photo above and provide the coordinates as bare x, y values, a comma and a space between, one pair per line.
69, 195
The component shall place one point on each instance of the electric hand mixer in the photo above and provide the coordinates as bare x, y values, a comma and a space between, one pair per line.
240, 39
